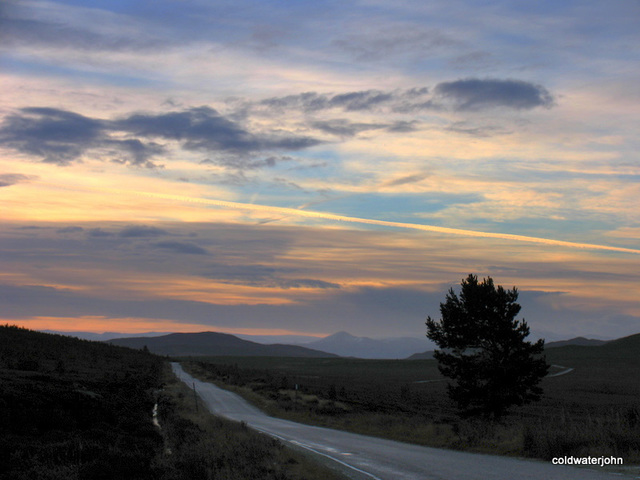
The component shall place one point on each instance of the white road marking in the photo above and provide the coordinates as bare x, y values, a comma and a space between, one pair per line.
299, 444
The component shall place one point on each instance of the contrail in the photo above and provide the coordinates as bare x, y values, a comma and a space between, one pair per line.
368, 221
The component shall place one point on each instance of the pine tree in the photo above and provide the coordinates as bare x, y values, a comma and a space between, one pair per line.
483, 349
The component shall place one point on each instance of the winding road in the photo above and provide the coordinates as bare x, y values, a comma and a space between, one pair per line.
369, 458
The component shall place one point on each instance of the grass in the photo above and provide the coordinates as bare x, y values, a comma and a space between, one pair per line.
203, 446
71, 409
593, 410
79, 410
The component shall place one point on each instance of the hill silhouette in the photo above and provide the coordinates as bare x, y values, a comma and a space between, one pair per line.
624, 346
580, 341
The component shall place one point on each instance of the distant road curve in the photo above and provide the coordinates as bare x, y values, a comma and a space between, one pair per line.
371, 458
563, 372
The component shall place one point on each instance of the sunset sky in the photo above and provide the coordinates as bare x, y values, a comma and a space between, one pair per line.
303, 167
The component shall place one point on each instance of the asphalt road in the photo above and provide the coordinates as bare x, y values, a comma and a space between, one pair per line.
362, 457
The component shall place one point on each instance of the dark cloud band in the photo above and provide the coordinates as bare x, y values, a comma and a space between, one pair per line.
468, 94
62, 137
349, 101
475, 94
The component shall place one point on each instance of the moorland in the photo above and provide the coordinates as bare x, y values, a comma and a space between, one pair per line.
73, 409
78, 409
590, 404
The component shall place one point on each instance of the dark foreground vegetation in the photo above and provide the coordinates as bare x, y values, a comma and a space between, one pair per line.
593, 410
74, 409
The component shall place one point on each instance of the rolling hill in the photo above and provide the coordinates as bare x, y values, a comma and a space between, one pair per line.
573, 342
630, 344
580, 341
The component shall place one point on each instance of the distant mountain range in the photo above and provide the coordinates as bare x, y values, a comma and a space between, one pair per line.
339, 344
214, 344
290, 339
347, 345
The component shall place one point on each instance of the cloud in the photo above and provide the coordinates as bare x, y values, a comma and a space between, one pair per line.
476, 131
468, 94
344, 128
58, 136
70, 230
393, 42
476, 59
304, 283
99, 233
236, 179
476, 94
198, 128
403, 126
136, 152
134, 231
203, 128
362, 100
180, 247
366, 100
43, 33
62, 137
247, 162
415, 178
263, 276
288, 184
8, 179
284, 283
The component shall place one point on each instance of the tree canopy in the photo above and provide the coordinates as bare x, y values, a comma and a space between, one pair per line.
482, 348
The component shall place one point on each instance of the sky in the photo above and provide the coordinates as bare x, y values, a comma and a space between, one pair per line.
271, 167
